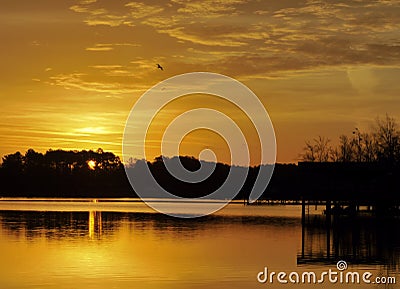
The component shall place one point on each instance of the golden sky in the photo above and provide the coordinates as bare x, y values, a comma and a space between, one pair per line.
72, 70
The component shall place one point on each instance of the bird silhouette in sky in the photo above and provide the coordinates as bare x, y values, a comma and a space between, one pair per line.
160, 67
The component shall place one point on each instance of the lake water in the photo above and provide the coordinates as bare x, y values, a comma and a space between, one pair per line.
125, 244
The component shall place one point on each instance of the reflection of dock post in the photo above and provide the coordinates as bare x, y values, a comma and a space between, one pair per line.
328, 213
95, 224
303, 225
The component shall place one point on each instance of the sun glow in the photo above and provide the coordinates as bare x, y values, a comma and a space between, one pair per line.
92, 130
91, 164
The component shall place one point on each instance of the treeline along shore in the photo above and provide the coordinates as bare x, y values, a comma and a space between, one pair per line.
96, 174
364, 166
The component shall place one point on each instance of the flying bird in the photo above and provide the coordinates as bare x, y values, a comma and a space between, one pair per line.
160, 67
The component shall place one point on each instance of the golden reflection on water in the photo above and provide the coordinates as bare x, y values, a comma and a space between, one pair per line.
92, 249
95, 224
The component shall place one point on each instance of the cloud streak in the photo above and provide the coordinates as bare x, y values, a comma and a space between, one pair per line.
268, 37
110, 46
77, 81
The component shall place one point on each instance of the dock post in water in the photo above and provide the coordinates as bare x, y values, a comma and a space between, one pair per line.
328, 213
303, 225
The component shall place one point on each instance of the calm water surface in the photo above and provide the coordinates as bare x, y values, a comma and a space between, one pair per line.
125, 244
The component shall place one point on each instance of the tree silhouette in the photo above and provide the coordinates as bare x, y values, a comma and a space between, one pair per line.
11, 172
387, 138
60, 173
317, 151
382, 145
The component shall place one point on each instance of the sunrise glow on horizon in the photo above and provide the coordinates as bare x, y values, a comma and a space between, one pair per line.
72, 70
